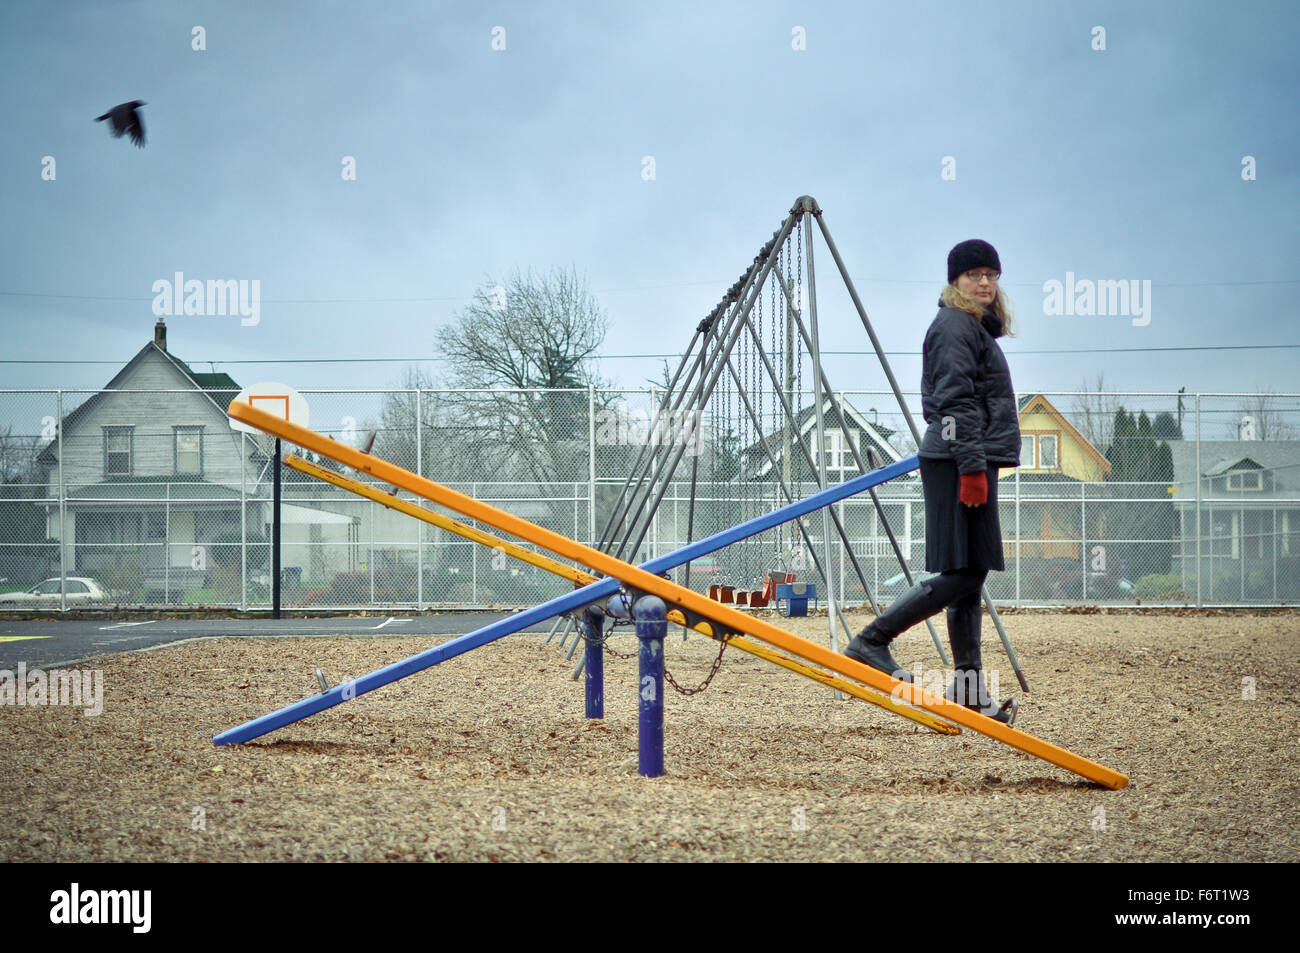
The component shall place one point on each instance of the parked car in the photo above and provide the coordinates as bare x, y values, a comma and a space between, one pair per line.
44, 595
1108, 584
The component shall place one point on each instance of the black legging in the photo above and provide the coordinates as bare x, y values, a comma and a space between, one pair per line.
959, 588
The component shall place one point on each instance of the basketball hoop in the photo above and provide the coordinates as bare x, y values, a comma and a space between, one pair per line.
279, 400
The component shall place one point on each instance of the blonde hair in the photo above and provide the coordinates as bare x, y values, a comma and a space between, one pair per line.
953, 297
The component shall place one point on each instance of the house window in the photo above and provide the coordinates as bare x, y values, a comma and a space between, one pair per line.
1290, 532
839, 455
1047, 451
854, 440
1246, 480
1040, 451
188, 450
117, 450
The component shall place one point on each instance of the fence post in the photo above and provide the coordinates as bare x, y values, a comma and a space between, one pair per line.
1017, 535
651, 627
63, 516
167, 539
1240, 541
591, 464
595, 663
1198, 501
1083, 534
243, 522
473, 559
653, 527
419, 525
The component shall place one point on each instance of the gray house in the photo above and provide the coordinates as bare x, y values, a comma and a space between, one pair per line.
157, 491
1249, 518
862, 433
152, 473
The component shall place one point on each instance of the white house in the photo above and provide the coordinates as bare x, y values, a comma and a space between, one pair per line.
153, 476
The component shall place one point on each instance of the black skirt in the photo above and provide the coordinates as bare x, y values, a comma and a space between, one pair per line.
958, 536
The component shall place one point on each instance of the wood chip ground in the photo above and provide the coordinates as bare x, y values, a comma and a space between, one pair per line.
488, 757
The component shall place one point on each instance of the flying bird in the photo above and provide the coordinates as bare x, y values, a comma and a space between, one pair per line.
125, 119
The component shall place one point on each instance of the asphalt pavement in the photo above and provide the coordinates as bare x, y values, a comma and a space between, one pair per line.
49, 641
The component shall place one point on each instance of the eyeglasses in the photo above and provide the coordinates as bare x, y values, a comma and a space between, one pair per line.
978, 276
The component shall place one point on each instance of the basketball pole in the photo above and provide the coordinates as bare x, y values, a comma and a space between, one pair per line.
275, 537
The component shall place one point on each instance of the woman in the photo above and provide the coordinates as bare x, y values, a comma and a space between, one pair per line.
968, 403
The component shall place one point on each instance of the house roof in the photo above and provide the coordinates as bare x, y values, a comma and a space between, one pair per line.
1227, 464
210, 383
806, 419
1029, 403
218, 380
157, 488
1221, 456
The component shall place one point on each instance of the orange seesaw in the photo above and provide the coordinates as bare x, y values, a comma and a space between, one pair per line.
583, 578
686, 599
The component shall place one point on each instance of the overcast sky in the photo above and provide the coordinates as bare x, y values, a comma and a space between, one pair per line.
1122, 163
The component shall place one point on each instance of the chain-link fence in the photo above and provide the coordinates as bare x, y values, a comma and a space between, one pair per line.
146, 497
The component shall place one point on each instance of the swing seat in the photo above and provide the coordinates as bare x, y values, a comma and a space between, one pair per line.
792, 598
773, 578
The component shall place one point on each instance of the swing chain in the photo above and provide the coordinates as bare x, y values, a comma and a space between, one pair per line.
603, 641
717, 665
798, 304
609, 651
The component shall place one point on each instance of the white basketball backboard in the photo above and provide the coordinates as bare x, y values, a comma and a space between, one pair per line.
278, 399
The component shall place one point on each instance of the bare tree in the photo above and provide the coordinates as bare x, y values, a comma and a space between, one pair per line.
1093, 412
18, 457
396, 428
1265, 416
22, 520
450, 446
531, 332
514, 341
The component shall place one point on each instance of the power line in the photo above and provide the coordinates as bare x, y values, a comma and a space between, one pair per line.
633, 357
681, 284
1114, 350
415, 300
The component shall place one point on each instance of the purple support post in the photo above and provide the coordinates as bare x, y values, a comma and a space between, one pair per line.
651, 627
594, 619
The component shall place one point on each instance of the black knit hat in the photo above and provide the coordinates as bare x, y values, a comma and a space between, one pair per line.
972, 253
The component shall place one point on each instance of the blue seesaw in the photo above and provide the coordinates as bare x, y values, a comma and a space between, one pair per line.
594, 592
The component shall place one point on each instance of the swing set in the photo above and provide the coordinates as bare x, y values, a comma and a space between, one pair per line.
617, 589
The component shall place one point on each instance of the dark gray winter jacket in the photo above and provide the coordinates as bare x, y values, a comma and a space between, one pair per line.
966, 395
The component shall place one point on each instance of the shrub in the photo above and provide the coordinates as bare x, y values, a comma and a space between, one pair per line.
1160, 586
122, 574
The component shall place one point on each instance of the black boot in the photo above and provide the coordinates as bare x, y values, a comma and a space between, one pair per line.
871, 645
868, 648
968, 687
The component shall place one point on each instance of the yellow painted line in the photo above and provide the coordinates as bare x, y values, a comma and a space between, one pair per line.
648, 582
584, 578
440, 521
22, 638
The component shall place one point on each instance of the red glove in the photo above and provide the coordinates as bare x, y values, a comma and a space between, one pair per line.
975, 488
